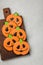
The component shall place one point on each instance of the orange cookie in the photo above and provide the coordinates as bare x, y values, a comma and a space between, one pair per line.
20, 33
9, 42
15, 18
21, 48
18, 19
7, 28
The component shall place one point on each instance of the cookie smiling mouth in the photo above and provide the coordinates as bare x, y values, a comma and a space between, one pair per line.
21, 50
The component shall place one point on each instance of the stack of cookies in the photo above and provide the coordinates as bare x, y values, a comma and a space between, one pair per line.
13, 38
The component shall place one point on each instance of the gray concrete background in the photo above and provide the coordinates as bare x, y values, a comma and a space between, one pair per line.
32, 12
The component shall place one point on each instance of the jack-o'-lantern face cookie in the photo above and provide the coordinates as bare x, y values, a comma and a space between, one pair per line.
7, 28
15, 18
21, 48
20, 33
9, 42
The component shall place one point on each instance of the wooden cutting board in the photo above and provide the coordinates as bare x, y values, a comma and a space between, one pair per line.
4, 53
6, 12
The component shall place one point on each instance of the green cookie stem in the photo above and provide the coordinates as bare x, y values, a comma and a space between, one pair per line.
10, 36
21, 41
16, 14
6, 23
17, 28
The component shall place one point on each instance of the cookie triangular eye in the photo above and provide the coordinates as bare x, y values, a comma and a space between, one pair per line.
8, 43
15, 34
18, 46
11, 18
6, 29
13, 40
11, 26
23, 46
17, 20
20, 33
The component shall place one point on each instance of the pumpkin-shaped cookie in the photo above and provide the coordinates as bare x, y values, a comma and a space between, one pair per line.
20, 33
7, 28
9, 42
15, 18
21, 48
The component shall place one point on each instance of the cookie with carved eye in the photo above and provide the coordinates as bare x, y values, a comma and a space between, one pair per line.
20, 33
12, 25
18, 20
7, 28
9, 42
15, 18
10, 18
21, 48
